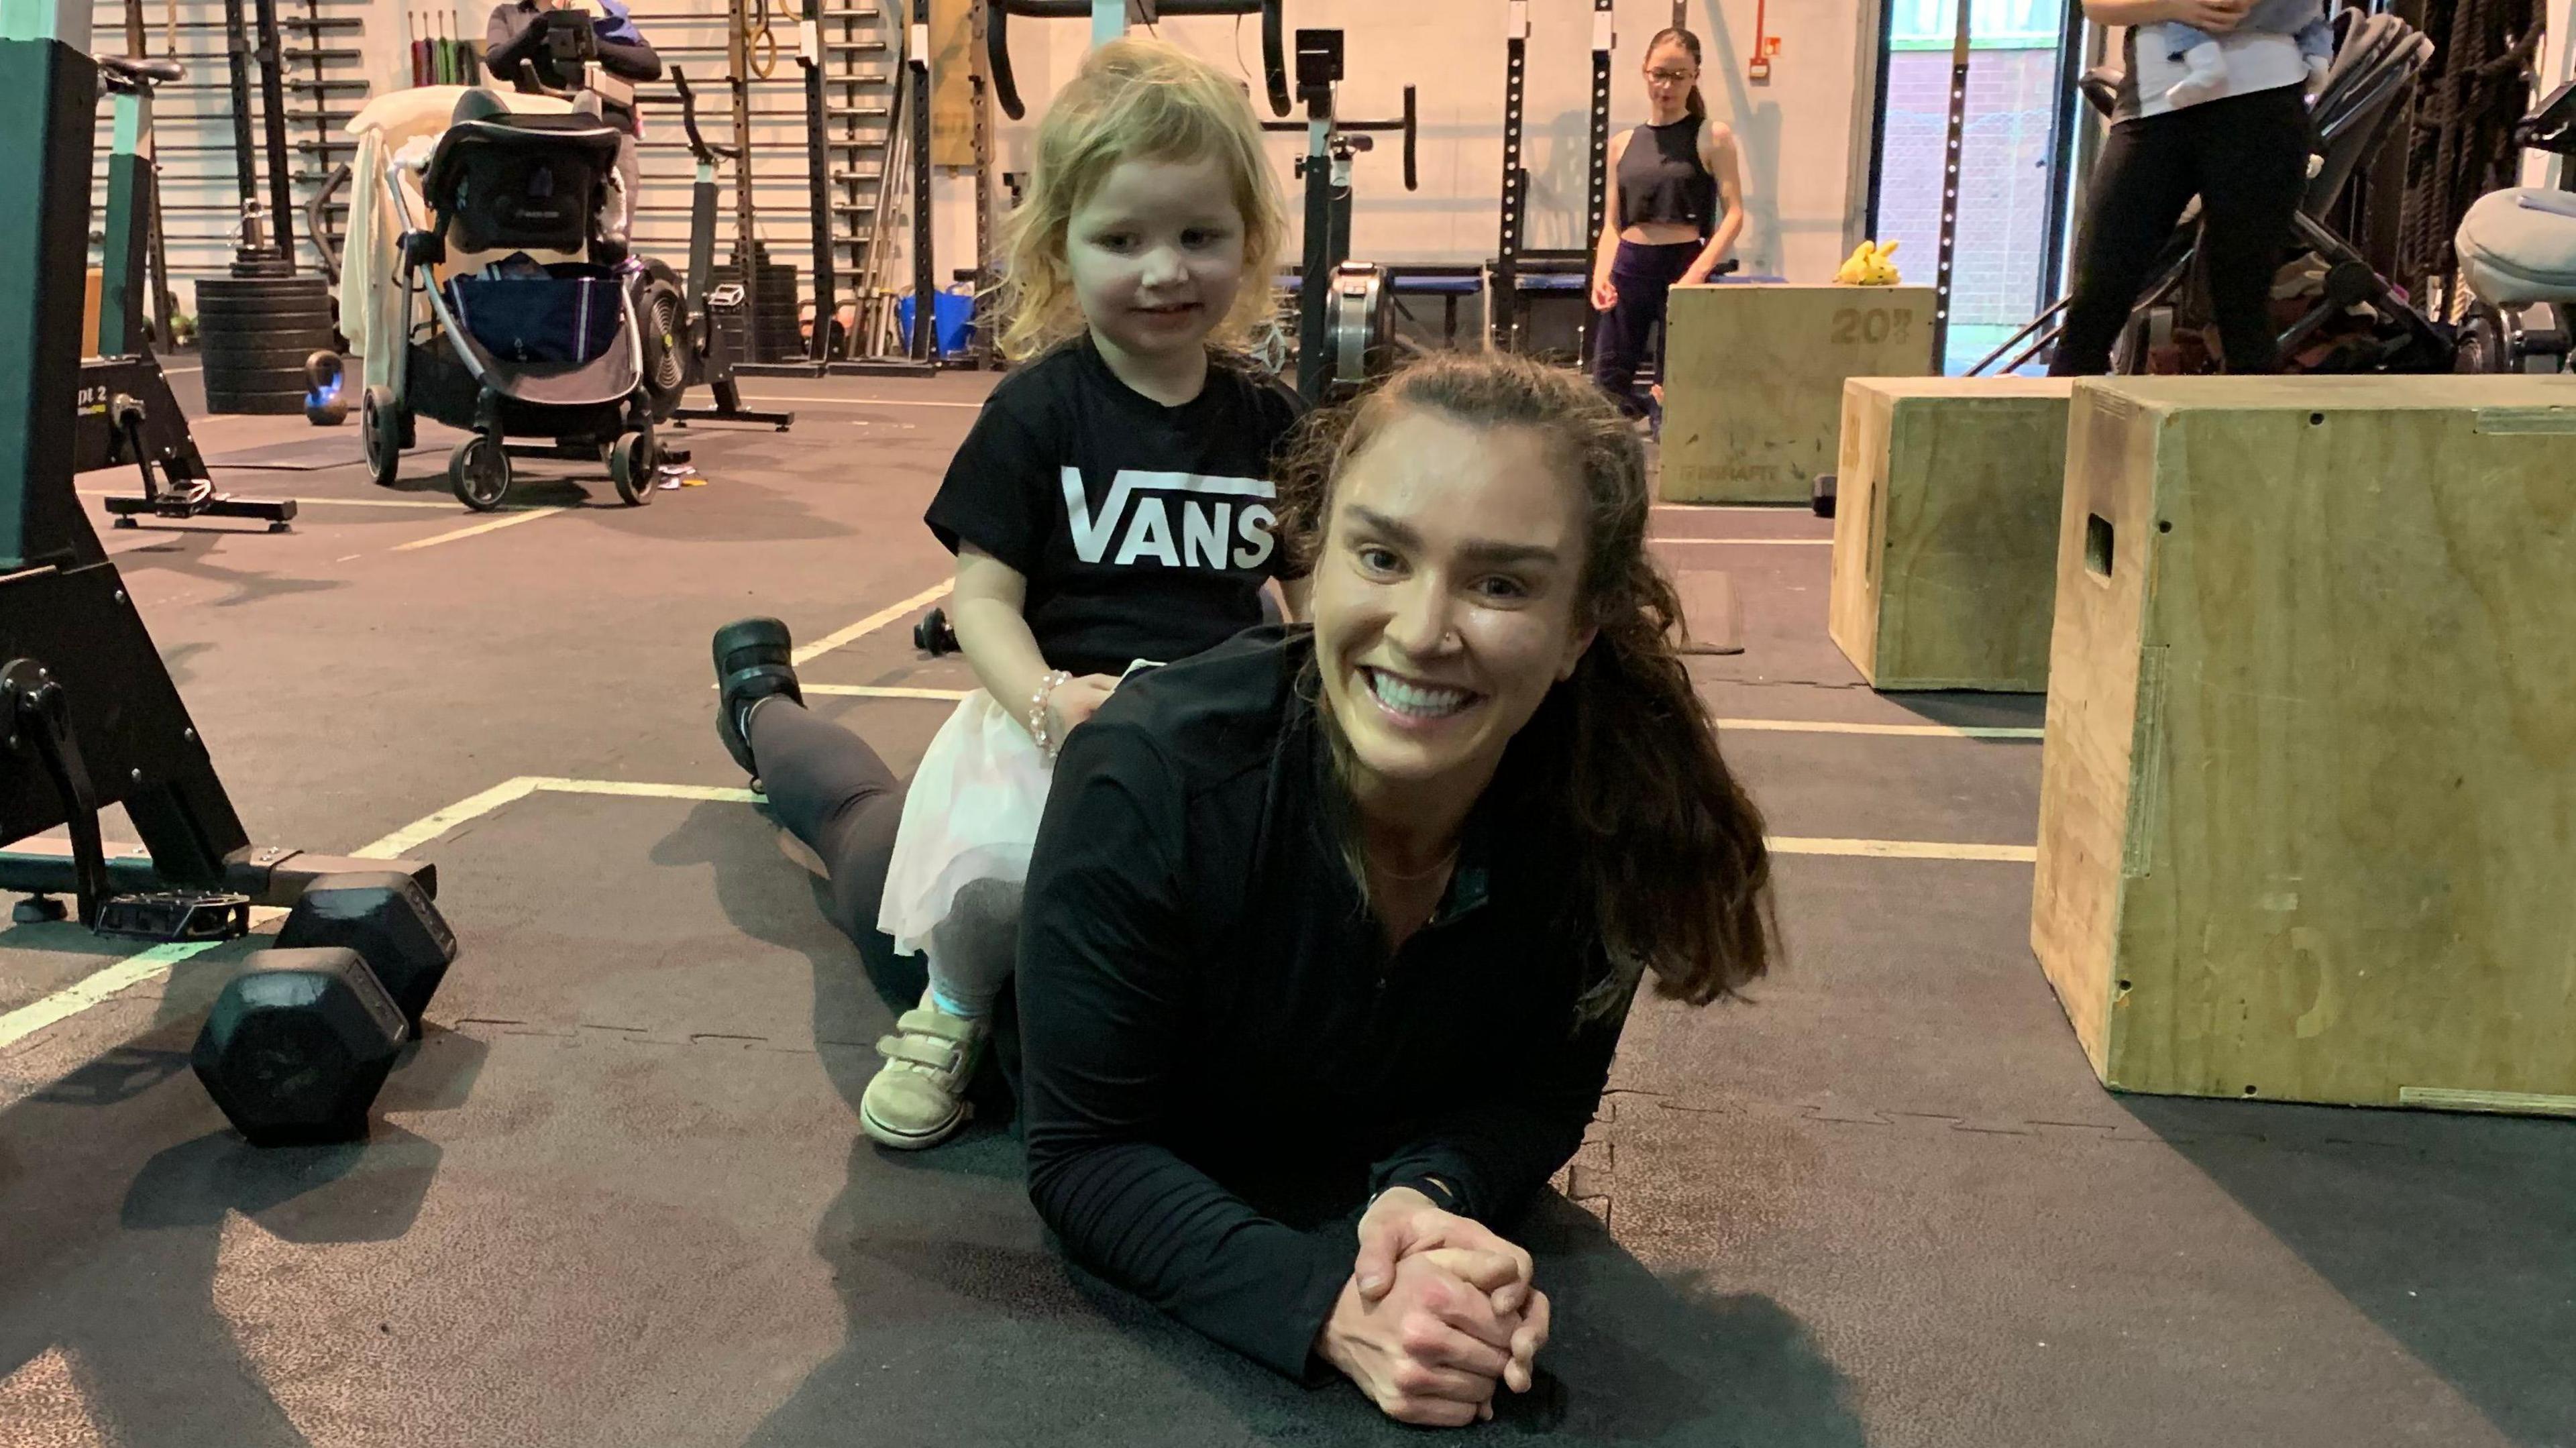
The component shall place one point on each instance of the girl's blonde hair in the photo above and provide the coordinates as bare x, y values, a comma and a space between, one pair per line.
1135, 100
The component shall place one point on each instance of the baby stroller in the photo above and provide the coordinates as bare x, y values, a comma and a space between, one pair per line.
530, 329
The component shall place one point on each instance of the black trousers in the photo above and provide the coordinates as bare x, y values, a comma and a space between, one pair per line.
1644, 276
2246, 158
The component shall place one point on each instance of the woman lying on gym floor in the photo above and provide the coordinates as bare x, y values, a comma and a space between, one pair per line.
1330, 932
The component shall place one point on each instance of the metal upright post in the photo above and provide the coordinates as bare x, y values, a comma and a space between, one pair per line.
925, 284
237, 52
123, 252
986, 348
1950, 186
272, 100
746, 229
1596, 204
818, 191
1503, 299
1318, 69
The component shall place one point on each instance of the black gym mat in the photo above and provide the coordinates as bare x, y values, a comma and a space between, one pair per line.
618, 1197
338, 447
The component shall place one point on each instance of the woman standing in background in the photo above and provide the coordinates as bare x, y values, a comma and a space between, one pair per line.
1676, 203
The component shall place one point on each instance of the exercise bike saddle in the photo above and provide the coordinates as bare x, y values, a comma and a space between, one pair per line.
126, 74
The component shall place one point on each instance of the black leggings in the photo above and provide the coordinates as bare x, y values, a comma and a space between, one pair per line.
1644, 276
2246, 157
831, 791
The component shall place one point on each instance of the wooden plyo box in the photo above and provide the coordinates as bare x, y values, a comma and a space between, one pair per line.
2308, 803
1945, 530
1753, 381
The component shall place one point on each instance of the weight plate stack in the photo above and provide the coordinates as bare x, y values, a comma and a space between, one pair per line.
777, 329
254, 334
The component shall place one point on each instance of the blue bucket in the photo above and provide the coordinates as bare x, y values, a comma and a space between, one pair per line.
954, 311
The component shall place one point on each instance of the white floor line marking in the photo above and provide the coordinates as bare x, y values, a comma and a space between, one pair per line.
154, 963
1755, 542
430, 826
1904, 850
513, 521
870, 624
1913, 731
881, 691
1767, 726
707, 793
473, 807
854, 401
151, 964
126, 974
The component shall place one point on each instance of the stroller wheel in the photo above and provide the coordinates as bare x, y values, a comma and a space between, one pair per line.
631, 462
479, 471
380, 428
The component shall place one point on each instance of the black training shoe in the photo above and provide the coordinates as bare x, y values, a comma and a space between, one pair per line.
754, 659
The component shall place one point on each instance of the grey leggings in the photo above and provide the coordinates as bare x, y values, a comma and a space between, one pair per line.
834, 793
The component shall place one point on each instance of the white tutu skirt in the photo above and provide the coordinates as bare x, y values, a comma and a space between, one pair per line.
971, 814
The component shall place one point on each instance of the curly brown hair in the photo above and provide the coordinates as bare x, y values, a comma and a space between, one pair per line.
1674, 873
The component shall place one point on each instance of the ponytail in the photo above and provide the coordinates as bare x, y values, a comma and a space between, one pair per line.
1670, 867
1692, 103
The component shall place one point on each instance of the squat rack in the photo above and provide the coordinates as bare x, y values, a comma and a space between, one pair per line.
1515, 263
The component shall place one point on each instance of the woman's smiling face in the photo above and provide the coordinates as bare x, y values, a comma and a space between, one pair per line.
1447, 597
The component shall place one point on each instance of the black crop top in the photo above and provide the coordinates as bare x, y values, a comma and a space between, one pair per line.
1661, 178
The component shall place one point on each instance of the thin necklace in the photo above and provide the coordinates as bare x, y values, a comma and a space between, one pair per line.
1444, 862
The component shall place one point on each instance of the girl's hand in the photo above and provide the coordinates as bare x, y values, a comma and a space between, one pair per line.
1604, 295
1074, 701
2215, 16
1693, 276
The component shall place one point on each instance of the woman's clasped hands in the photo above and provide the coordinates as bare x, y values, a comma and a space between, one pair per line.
1438, 1311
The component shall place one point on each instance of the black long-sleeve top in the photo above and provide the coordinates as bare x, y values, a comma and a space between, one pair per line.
1222, 1061
512, 41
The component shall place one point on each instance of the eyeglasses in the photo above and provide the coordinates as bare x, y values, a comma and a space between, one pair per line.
1673, 77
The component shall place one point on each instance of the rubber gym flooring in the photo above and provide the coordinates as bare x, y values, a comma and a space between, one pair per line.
618, 1195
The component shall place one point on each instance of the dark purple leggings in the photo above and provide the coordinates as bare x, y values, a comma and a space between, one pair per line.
1643, 275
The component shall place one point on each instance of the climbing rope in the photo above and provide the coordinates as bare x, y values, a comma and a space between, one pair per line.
2461, 144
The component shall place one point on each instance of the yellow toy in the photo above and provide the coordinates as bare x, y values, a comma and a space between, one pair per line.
1869, 266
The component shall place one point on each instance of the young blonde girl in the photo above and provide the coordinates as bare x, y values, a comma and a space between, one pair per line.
1110, 510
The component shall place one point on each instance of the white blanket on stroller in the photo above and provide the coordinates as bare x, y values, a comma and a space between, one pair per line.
390, 127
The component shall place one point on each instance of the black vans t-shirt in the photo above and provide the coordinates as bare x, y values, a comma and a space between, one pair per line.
1144, 531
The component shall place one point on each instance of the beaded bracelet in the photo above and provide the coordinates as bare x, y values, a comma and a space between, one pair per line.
1038, 707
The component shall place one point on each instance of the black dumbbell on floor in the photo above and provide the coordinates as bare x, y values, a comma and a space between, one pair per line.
386, 917
299, 1043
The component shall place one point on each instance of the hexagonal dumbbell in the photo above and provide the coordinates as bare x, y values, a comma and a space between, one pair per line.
298, 1045
385, 917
